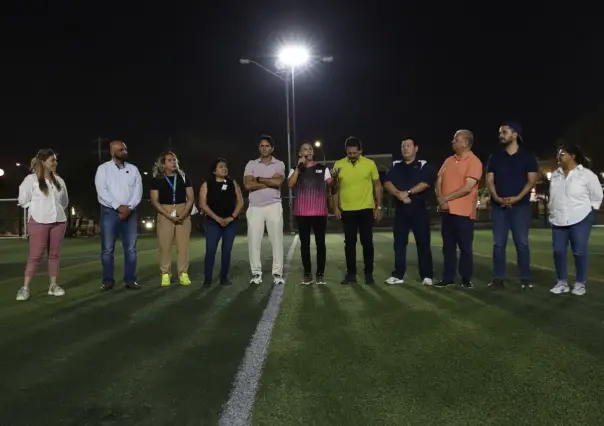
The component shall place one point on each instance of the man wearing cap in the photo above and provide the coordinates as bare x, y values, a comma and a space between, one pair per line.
512, 172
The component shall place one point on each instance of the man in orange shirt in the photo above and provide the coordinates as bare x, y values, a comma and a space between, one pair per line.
457, 194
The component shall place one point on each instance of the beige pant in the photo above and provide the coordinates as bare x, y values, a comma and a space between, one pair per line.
167, 232
257, 218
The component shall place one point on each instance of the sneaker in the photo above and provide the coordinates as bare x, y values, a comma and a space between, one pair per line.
307, 280
55, 290
184, 279
560, 288
443, 284
278, 279
23, 294
394, 280
320, 279
165, 280
369, 280
427, 281
256, 279
207, 283
497, 284
525, 284
349, 279
579, 289
225, 281
467, 285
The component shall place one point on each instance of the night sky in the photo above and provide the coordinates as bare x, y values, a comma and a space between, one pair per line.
145, 72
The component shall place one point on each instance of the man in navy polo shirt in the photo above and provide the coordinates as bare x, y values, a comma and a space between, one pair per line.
408, 180
511, 174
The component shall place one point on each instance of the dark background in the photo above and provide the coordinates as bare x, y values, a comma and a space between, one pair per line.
148, 72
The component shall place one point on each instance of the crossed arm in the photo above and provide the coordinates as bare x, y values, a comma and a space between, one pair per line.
252, 183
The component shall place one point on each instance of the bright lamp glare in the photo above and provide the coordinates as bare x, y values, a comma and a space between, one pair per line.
293, 56
549, 175
1, 172
149, 225
317, 144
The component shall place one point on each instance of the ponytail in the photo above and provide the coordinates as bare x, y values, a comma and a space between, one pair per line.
37, 168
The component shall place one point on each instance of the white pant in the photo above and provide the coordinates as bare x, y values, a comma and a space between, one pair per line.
257, 217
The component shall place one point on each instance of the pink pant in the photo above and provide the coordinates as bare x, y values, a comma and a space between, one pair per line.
44, 237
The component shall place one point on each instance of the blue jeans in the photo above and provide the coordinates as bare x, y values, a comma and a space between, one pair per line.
214, 233
111, 226
457, 231
517, 219
578, 236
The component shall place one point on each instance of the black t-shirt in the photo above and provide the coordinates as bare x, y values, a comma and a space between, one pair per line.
221, 197
161, 185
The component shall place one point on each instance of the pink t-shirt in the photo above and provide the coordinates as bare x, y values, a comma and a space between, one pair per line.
311, 191
266, 196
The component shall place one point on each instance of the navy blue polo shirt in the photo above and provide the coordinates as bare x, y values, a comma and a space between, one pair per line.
511, 172
405, 176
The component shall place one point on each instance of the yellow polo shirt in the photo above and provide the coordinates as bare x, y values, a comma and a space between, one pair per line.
356, 183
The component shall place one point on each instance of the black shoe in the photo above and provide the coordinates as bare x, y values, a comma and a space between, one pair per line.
467, 285
207, 283
349, 279
443, 284
307, 280
320, 279
107, 286
225, 281
497, 284
133, 286
369, 279
525, 284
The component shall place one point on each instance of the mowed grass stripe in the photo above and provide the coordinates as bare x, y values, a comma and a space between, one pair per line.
156, 356
416, 355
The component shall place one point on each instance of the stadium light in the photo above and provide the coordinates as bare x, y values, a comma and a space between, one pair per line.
1, 172
318, 144
549, 175
293, 56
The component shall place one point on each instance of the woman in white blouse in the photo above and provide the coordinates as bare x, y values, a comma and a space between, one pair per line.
44, 193
575, 194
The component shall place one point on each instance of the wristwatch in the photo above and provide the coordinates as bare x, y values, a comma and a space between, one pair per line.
409, 192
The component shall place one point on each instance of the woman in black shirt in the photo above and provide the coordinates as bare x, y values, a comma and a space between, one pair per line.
173, 198
221, 199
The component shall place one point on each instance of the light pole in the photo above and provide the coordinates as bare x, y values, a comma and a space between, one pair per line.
289, 60
318, 145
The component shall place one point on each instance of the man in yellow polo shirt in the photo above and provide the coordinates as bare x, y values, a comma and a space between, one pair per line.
357, 201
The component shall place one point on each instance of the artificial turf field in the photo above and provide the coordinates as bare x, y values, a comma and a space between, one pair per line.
358, 355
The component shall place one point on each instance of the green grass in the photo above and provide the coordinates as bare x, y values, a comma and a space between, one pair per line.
403, 355
381, 355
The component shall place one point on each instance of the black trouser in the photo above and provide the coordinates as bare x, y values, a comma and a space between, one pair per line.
318, 225
416, 220
360, 221
457, 231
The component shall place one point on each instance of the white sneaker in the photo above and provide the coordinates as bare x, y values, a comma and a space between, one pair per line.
55, 290
560, 287
394, 280
579, 289
256, 279
427, 281
23, 294
278, 279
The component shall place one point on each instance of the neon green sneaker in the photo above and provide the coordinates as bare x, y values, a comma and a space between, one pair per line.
184, 279
165, 280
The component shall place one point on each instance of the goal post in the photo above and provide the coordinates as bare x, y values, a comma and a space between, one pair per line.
13, 219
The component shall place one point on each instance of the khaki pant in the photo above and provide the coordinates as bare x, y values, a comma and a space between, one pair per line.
167, 232
257, 218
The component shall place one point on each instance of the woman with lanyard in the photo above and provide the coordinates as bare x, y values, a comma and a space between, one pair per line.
575, 193
173, 198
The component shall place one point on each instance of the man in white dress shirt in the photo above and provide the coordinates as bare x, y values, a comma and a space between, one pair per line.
119, 189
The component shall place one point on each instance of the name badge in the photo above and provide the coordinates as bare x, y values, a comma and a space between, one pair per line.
224, 187
318, 171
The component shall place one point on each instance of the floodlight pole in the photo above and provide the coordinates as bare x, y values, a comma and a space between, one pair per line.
290, 192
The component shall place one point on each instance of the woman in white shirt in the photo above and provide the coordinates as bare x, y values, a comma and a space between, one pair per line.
44, 193
575, 194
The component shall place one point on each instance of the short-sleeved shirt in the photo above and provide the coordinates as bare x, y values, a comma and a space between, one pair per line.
405, 176
356, 183
161, 185
454, 172
258, 169
511, 172
311, 191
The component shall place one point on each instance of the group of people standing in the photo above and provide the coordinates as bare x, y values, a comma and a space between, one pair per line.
353, 188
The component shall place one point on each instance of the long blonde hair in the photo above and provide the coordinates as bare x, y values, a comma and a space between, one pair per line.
158, 167
37, 168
